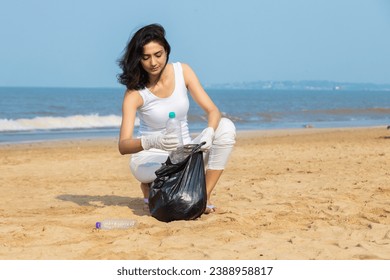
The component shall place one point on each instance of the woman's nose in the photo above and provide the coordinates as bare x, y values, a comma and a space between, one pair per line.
153, 61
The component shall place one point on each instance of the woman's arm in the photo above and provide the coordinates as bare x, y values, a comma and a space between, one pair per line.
127, 145
201, 97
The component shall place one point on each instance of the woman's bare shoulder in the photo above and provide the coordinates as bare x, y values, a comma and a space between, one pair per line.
133, 97
185, 66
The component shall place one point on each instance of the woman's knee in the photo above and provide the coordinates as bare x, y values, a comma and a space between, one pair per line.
144, 173
144, 165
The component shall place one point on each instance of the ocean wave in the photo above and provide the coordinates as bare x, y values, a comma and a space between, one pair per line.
74, 122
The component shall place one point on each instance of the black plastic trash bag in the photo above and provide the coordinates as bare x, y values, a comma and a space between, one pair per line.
179, 191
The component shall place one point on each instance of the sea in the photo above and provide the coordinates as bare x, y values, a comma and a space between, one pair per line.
30, 114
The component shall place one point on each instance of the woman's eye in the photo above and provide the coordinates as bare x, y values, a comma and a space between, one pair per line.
145, 57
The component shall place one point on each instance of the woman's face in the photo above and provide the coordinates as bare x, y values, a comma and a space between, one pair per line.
154, 58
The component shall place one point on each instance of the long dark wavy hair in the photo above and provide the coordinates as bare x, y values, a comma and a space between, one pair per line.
134, 77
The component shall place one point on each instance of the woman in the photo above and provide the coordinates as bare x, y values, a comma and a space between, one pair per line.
155, 88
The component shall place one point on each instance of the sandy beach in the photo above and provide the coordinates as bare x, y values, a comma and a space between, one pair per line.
290, 194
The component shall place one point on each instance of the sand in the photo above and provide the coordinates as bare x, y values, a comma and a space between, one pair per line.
292, 194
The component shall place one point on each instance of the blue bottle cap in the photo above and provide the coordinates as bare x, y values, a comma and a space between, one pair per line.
98, 224
172, 115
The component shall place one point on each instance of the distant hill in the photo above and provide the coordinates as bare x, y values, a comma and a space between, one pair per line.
301, 85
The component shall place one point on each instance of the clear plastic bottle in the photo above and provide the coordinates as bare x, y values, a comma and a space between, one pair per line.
174, 126
115, 224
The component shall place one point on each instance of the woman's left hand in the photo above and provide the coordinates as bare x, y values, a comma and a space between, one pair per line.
208, 137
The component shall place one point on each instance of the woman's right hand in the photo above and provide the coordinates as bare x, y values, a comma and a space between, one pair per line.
166, 142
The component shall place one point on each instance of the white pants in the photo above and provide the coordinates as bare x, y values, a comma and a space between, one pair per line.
144, 164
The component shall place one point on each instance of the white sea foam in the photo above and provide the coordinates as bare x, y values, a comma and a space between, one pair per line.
70, 122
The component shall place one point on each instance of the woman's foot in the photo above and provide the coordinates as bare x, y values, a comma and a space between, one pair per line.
210, 208
146, 205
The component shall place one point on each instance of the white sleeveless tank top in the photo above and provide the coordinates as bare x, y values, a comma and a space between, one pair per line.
154, 112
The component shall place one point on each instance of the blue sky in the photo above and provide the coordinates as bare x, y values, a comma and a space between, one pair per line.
77, 43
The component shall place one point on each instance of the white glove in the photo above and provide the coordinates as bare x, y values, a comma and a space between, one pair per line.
166, 142
208, 137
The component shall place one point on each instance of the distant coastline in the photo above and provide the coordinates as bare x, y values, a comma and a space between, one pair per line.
310, 85
301, 85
